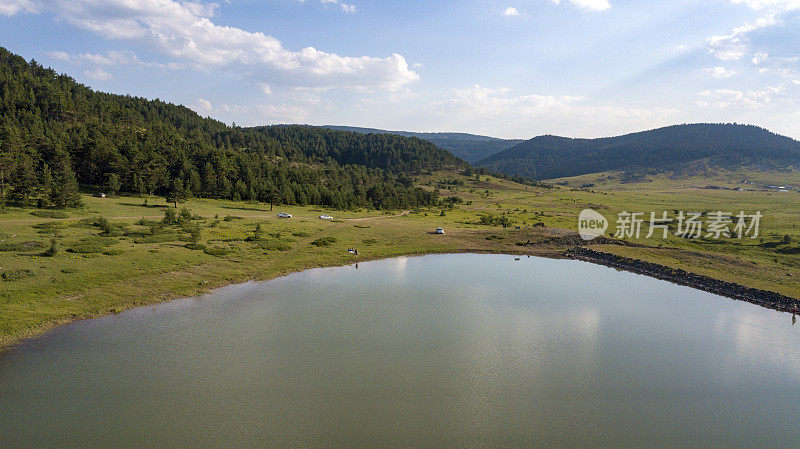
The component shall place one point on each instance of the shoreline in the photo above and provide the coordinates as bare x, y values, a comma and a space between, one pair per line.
763, 298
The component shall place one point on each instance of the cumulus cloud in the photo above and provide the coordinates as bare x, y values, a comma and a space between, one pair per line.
591, 5
720, 72
10, 7
185, 32
734, 46
346, 7
724, 98
98, 74
510, 12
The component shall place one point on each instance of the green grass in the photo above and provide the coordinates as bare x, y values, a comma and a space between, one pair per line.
94, 274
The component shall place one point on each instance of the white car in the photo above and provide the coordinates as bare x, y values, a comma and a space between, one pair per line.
325, 217
284, 215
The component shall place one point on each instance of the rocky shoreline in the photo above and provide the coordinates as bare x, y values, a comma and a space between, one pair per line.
732, 290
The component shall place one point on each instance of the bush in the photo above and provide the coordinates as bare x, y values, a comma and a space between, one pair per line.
98, 240
113, 252
217, 251
301, 234
324, 241
15, 275
231, 218
53, 250
370, 241
86, 249
170, 216
185, 215
195, 246
104, 225
50, 214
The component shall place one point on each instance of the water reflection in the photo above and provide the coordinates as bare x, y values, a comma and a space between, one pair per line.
446, 350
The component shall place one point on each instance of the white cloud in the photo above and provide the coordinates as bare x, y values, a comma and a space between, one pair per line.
720, 72
10, 7
781, 5
499, 111
185, 32
591, 5
510, 12
265, 88
346, 7
98, 74
759, 57
724, 98
734, 46
111, 58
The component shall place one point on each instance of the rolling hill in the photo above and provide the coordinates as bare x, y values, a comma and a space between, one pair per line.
470, 147
548, 157
56, 134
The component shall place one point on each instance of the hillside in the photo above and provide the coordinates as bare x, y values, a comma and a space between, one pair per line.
56, 133
548, 157
470, 147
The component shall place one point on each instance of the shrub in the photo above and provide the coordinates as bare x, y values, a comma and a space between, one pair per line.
104, 225
301, 234
185, 215
15, 275
53, 250
324, 241
370, 241
98, 240
217, 251
195, 246
231, 218
194, 234
50, 214
113, 252
86, 249
170, 216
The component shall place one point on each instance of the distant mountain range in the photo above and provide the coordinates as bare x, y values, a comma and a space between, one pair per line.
470, 147
548, 157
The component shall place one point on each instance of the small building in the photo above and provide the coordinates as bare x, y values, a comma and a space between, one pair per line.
439, 231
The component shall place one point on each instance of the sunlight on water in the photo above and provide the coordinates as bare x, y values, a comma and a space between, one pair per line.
446, 350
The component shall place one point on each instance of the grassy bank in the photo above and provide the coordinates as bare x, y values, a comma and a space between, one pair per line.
131, 258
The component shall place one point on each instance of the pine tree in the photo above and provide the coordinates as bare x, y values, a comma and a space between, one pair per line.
64, 191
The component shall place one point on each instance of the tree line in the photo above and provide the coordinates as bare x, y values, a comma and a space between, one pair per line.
57, 134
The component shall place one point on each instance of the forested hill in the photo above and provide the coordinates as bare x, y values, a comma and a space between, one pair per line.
547, 157
55, 132
470, 147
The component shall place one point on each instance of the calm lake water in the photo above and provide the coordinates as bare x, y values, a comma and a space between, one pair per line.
446, 350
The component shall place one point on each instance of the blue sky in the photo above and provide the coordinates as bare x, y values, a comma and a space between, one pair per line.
511, 68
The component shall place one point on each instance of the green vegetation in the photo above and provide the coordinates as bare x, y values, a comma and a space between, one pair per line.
56, 133
547, 157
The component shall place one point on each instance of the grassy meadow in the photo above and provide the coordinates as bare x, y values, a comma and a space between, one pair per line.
131, 257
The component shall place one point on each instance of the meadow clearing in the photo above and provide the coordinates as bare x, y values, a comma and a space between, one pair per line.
120, 252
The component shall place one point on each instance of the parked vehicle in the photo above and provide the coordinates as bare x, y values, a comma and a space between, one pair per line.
439, 231
325, 217
284, 215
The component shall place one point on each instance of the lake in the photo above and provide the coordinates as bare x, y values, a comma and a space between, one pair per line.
460, 350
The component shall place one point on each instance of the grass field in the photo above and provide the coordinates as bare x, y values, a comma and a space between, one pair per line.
131, 258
